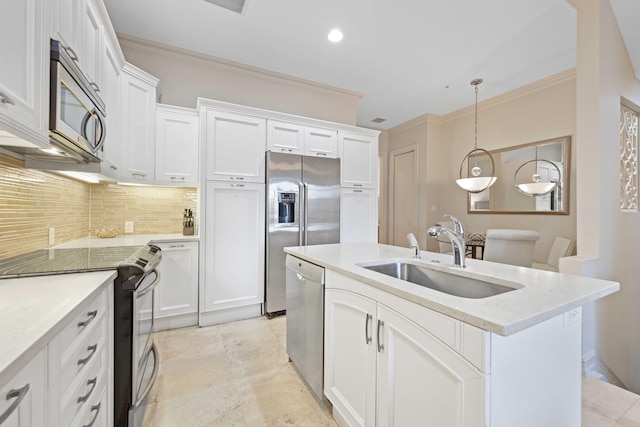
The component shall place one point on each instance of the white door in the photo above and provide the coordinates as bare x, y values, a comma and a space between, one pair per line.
29, 388
358, 215
24, 73
350, 356
422, 381
177, 145
234, 245
403, 195
177, 292
358, 160
235, 147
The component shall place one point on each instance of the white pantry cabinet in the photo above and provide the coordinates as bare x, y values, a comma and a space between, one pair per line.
294, 138
23, 397
358, 215
235, 146
177, 145
24, 73
382, 369
137, 130
358, 160
233, 259
111, 93
176, 296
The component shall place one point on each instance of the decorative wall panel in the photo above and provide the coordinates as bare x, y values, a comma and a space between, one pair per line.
628, 159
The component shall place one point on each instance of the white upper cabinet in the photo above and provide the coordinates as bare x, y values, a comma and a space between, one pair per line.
321, 142
177, 145
293, 138
138, 113
24, 73
111, 95
93, 40
235, 147
358, 160
285, 137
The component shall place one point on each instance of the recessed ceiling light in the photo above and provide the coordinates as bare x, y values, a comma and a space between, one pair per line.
335, 35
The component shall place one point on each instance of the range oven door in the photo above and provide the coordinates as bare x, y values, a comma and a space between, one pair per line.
145, 361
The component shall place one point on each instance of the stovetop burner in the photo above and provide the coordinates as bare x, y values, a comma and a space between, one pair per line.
65, 260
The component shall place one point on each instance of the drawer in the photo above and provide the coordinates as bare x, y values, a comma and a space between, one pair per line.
84, 389
76, 361
96, 412
84, 322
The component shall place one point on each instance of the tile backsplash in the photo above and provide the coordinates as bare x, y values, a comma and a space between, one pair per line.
32, 202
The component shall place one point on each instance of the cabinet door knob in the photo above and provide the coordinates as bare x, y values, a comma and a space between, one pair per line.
6, 99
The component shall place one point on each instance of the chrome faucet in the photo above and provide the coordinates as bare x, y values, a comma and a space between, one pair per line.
414, 245
457, 237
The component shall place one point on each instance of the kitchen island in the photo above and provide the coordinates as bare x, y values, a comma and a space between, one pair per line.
396, 353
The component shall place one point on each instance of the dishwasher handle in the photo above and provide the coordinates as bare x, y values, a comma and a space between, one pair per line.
305, 270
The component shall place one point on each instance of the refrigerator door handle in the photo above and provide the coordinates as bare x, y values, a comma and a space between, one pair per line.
306, 210
301, 223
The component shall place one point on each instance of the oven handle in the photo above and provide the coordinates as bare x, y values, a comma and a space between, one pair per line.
154, 375
152, 285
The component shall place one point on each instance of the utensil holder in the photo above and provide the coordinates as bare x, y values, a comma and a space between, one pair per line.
187, 231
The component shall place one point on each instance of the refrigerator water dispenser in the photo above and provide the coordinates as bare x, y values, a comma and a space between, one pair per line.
286, 208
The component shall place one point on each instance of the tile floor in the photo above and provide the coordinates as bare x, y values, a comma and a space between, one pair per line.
238, 374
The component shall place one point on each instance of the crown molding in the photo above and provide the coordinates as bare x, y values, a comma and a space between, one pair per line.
522, 91
192, 58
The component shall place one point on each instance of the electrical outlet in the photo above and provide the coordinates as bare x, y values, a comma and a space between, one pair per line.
128, 226
52, 236
571, 316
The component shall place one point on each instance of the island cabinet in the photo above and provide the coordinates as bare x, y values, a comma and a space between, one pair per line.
176, 296
389, 361
23, 397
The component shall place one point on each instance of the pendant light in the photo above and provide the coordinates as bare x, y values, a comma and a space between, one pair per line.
536, 187
474, 183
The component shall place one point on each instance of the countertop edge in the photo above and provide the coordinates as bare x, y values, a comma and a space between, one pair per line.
503, 329
20, 361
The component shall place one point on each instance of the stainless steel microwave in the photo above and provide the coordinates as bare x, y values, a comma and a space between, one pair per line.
76, 111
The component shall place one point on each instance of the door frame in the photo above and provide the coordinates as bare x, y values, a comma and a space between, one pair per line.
391, 219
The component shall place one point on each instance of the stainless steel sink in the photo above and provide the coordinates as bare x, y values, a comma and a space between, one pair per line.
441, 281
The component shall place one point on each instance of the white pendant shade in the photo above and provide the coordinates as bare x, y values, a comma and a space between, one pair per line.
536, 188
476, 184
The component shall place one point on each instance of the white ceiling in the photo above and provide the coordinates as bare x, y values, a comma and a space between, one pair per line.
406, 57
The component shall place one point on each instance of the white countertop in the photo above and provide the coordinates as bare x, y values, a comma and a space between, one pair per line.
126, 240
542, 294
34, 309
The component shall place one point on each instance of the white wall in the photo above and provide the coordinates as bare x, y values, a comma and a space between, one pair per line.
185, 76
536, 112
609, 239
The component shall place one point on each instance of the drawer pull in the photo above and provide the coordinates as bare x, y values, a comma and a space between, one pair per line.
95, 408
92, 315
92, 382
92, 350
6, 100
19, 393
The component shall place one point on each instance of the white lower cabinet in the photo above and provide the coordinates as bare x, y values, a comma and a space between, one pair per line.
176, 296
392, 362
382, 369
23, 397
80, 367
233, 258
358, 215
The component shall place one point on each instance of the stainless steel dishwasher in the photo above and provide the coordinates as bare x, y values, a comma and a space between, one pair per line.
305, 321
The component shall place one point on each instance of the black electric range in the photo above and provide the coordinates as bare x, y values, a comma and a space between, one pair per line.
65, 260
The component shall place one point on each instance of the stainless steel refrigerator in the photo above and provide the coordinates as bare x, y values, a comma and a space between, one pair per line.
303, 208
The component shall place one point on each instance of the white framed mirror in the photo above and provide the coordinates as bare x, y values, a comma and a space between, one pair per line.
504, 197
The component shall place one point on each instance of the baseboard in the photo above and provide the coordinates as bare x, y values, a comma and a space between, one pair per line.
175, 322
594, 367
227, 315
